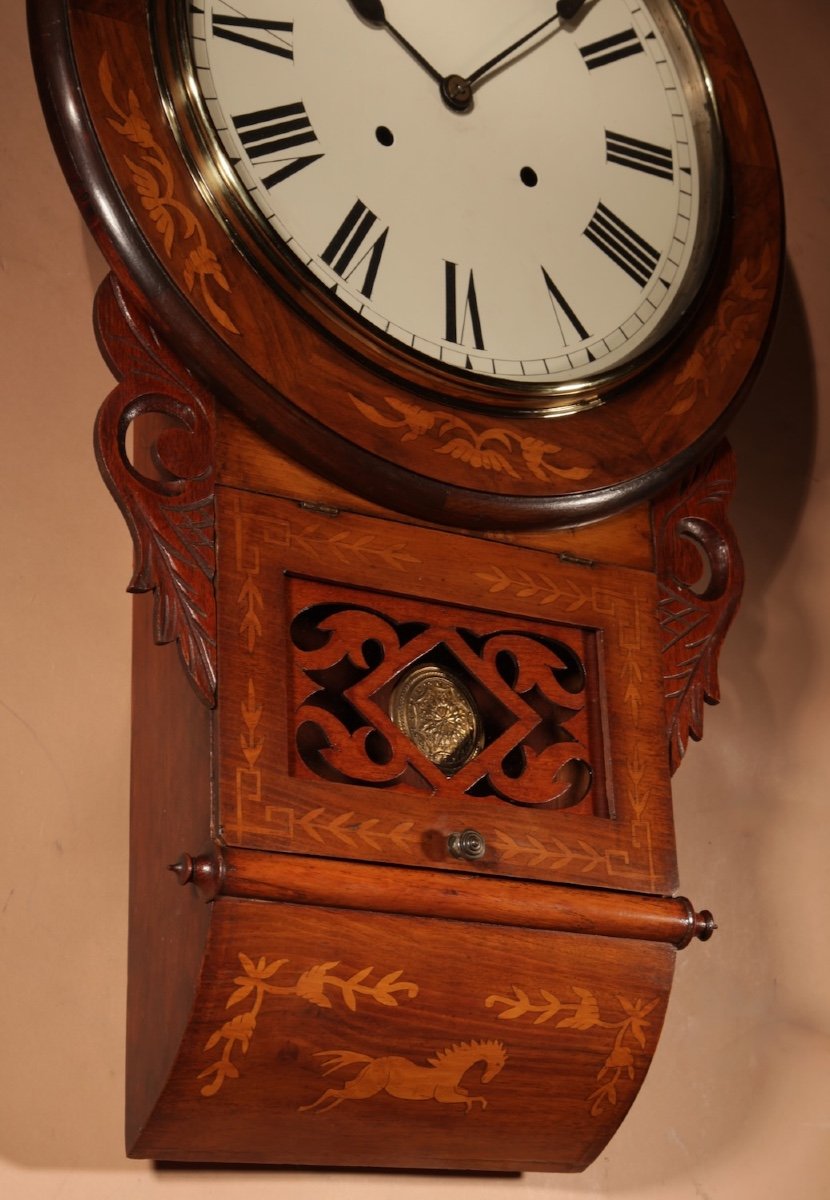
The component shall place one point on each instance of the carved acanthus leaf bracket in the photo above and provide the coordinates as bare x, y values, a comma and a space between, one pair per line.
168, 501
700, 576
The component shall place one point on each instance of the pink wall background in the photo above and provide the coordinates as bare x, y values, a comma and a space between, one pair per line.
737, 1105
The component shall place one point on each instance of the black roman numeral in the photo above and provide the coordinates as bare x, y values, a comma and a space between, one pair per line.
611, 49
271, 132
278, 39
640, 156
622, 245
357, 243
560, 303
470, 319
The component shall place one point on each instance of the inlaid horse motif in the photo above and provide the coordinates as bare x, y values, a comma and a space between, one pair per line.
407, 1080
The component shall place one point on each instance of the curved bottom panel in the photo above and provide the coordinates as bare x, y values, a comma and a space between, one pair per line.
333, 1038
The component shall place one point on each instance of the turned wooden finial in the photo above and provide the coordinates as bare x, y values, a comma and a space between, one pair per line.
205, 871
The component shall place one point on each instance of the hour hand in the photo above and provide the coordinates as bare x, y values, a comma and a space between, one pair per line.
373, 13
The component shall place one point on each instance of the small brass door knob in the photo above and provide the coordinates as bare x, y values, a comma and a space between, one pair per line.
470, 845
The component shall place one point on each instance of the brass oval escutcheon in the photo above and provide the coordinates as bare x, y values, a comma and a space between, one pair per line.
438, 714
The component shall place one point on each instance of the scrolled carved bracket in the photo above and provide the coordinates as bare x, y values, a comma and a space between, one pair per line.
700, 576
170, 513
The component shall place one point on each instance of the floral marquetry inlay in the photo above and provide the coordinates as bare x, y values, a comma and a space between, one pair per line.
174, 219
318, 985
495, 450
576, 856
584, 1014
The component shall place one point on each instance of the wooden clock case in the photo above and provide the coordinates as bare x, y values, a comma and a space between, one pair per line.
334, 985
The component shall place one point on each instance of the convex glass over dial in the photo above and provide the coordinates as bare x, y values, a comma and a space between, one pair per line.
525, 192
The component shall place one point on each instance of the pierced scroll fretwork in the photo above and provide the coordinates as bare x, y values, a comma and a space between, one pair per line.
530, 692
170, 510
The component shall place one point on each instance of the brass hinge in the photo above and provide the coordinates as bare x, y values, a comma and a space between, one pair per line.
326, 510
575, 560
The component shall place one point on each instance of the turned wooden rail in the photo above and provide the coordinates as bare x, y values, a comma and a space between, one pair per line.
301, 879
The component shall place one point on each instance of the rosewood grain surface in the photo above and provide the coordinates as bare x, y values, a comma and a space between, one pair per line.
295, 879
328, 1038
279, 561
246, 460
296, 558
170, 807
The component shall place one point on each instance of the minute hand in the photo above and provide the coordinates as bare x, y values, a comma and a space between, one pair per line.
565, 11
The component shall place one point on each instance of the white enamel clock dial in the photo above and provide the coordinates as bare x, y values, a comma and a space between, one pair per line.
550, 232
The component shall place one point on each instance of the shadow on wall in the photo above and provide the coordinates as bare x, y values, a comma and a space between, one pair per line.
775, 440
711, 1082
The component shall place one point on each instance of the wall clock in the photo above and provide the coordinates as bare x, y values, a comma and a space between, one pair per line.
427, 328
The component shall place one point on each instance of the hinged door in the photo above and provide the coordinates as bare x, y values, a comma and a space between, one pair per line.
385, 688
